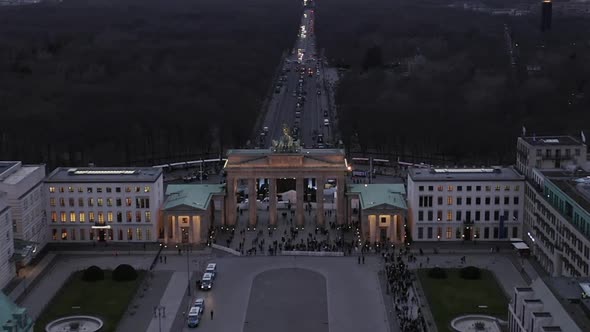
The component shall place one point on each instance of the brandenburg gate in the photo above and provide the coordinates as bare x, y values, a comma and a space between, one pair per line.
285, 161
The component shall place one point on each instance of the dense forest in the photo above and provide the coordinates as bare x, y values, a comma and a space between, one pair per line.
426, 80
120, 82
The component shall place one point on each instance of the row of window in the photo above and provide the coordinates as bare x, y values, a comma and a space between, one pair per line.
427, 201
465, 233
140, 202
70, 189
548, 153
469, 188
74, 234
81, 217
477, 215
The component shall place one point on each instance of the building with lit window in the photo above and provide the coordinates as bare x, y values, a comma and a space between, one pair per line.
23, 185
104, 204
465, 204
557, 220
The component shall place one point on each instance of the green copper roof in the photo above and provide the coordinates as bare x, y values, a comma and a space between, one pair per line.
8, 308
196, 196
372, 195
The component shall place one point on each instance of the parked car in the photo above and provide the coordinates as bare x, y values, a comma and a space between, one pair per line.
212, 268
200, 303
194, 317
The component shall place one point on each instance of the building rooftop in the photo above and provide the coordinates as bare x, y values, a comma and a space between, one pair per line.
373, 195
551, 140
197, 196
465, 174
573, 185
20, 174
264, 152
5, 166
568, 293
104, 174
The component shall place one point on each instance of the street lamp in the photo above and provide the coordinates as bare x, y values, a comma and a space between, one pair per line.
188, 270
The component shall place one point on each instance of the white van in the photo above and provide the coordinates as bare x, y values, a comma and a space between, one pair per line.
212, 268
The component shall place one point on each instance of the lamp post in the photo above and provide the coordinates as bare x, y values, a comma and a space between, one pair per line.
160, 312
188, 269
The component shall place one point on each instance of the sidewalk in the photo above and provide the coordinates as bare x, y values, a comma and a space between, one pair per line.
30, 276
172, 302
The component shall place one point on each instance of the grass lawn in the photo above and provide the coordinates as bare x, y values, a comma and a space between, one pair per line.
106, 299
451, 297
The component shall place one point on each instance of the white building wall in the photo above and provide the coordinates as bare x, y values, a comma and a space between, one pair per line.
64, 222
25, 197
491, 195
7, 268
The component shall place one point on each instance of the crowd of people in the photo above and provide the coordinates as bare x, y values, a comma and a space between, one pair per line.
399, 285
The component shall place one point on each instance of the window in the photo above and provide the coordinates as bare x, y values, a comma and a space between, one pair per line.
53, 216
496, 200
118, 202
62, 201
439, 200
64, 234
119, 216
439, 232
148, 235
468, 216
73, 234
99, 190
429, 231
577, 152
439, 215
488, 188
120, 235
548, 153
459, 188
430, 215
539, 153
449, 232
515, 232
449, 215
488, 200
109, 189
421, 188
506, 200
72, 216
515, 215
496, 215
146, 189
420, 215
91, 202
62, 189
568, 153
109, 202
486, 233
101, 218
127, 201
477, 188
515, 200
82, 234
468, 200
138, 231
80, 189
148, 216
91, 216
99, 201
130, 234
498, 188
118, 189
420, 232
80, 202
477, 200
71, 202
82, 216
52, 190
458, 216
506, 188
450, 200
129, 216
495, 232
468, 188
459, 200
62, 217
516, 188
439, 188
486, 216
89, 190
430, 188
477, 215
137, 189
138, 216
450, 188
52, 201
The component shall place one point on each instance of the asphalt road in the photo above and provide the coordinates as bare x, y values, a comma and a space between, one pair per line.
283, 106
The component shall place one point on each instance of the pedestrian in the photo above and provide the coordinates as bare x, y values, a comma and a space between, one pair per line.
359, 259
160, 259
165, 259
211, 314
363, 259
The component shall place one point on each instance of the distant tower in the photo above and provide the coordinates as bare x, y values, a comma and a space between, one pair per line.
546, 8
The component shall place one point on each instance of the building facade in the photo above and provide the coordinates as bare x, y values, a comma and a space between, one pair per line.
549, 152
537, 309
557, 220
104, 204
465, 204
23, 185
14, 318
7, 267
